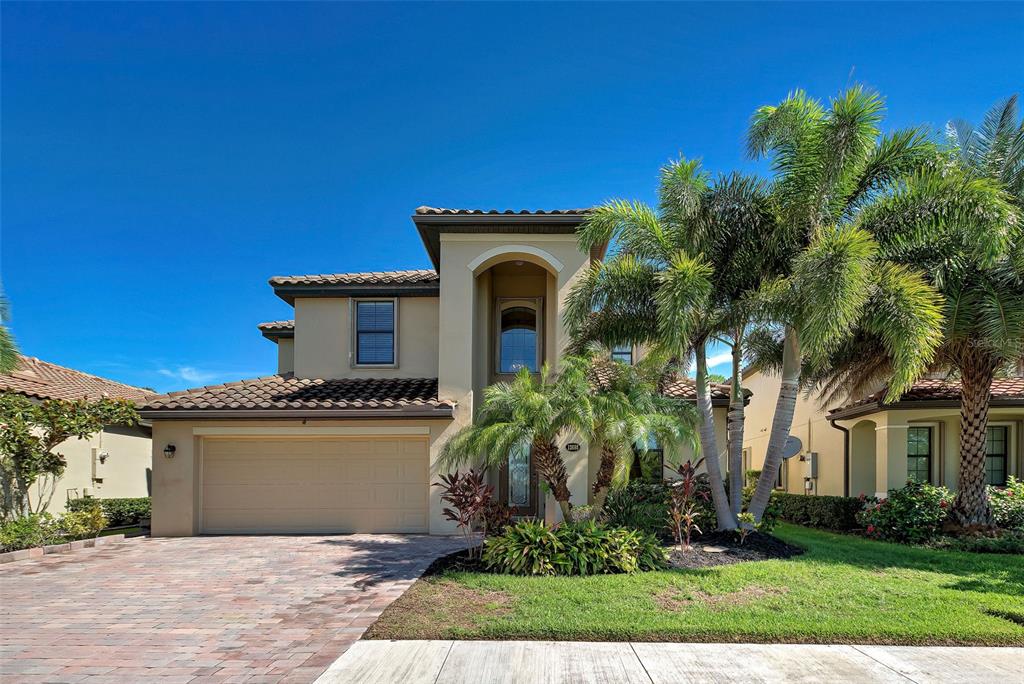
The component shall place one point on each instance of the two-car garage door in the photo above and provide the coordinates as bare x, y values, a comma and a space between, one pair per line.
351, 484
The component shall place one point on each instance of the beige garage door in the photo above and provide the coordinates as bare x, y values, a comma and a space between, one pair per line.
359, 484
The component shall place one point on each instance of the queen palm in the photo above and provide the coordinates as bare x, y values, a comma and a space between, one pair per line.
629, 412
960, 221
530, 410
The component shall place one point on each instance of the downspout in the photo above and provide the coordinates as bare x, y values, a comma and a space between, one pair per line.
846, 455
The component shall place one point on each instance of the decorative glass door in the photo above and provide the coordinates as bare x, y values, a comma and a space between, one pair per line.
519, 482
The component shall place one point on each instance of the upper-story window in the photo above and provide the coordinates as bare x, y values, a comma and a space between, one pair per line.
519, 337
623, 353
375, 332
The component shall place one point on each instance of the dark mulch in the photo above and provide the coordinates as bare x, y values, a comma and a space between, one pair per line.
756, 547
455, 562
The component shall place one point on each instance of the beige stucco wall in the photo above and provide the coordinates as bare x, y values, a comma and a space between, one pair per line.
285, 355
177, 482
809, 426
124, 474
323, 339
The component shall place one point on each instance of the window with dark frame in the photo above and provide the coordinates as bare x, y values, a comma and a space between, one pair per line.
919, 454
375, 333
780, 477
623, 353
518, 342
996, 441
648, 466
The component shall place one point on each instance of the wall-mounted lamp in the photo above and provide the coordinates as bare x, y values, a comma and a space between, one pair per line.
103, 457
169, 450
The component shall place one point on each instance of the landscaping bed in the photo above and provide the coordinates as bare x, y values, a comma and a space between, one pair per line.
842, 589
723, 548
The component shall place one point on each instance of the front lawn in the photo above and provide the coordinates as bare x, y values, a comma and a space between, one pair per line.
843, 590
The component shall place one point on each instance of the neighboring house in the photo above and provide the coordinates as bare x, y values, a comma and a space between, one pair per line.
867, 446
115, 462
375, 373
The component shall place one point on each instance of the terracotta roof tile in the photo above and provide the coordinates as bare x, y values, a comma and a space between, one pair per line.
276, 326
677, 386
288, 392
423, 275
944, 390
439, 211
43, 380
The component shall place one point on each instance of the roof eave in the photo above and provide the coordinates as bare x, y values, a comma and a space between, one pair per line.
323, 414
878, 406
289, 292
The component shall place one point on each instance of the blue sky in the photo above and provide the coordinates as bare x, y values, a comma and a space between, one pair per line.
161, 161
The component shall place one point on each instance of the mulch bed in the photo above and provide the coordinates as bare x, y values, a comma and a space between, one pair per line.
723, 548
456, 562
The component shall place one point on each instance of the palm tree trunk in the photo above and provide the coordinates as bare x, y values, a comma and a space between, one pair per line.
782, 423
551, 467
971, 507
708, 443
735, 429
603, 481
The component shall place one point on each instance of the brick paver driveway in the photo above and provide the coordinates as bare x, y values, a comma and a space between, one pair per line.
201, 609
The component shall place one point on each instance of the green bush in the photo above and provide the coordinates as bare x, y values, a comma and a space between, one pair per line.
640, 506
837, 513
81, 524
582, 548
119, 512
28, 532
1003, 541
1008, 504
914, 514
770, 517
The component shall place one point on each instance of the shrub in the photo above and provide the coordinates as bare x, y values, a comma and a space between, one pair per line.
837, 513
1003, 541
81, 524
770, 517
119, 512
495, 517
466, 496
914, 514
28, 532
640, 506
685, 498
1008, 504
581, 548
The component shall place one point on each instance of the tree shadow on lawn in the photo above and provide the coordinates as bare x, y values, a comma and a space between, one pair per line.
977, 572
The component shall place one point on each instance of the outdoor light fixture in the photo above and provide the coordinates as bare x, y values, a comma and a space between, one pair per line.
169, 450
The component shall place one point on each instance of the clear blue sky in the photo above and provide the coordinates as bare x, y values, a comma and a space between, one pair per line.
161, 161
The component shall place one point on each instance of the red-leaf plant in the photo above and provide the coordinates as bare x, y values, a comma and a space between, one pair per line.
467, 496
683, 503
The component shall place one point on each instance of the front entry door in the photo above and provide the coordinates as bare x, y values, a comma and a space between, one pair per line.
519, 482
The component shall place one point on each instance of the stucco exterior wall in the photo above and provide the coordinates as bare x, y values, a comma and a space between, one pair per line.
323, 339
285, 355
177, 482
125, 472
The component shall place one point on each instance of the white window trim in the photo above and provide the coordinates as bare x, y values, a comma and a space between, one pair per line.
353, 354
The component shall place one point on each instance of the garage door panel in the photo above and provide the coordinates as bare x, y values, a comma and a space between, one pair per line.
324, 485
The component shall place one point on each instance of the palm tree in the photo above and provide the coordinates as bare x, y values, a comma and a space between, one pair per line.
629, 411
678, 280
529, 410
959, 220
8, 350
832, 166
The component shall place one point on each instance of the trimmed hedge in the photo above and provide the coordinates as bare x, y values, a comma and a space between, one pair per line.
837, 513
119, 512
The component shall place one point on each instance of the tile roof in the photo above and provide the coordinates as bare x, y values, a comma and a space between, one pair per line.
43, 380
439, 211
277, 326
943, 390
422, 275
676, 386
286, 392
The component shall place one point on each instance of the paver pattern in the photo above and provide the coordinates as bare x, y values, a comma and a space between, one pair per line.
201, 609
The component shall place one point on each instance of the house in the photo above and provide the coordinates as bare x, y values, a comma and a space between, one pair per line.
375, 372
113, 463
868, 446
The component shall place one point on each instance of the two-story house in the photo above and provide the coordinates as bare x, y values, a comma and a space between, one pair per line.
375, 372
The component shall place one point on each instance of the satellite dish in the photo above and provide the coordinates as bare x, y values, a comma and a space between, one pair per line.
793, 447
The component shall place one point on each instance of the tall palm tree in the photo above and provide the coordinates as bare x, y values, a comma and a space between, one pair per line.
678, 279
629, 412
8, 350
960, 221
529, 410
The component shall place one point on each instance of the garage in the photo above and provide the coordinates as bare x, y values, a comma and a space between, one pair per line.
318, 485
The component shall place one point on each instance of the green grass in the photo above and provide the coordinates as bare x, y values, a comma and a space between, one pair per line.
843, 590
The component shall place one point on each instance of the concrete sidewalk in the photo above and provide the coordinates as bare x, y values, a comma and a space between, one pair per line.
508, 662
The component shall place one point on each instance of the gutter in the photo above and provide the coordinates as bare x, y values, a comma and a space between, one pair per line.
323, 414
876, 406
846, 454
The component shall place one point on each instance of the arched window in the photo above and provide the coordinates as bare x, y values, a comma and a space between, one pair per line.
518, 335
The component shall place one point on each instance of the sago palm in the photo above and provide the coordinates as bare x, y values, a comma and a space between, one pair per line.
529, 410
960, 221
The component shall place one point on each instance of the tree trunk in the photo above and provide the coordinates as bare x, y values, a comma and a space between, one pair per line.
971, 508
603, 482
735, 429
708, 444
782, 423
551, 467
